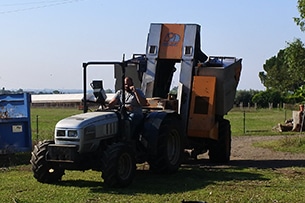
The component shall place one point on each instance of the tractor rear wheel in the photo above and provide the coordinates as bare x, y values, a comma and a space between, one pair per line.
220, 150
118, 165
44, 171
168, 156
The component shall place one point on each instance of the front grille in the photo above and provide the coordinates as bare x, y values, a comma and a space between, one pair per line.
68, 140
62, 153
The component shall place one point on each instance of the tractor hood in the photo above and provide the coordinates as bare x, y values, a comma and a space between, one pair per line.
86, 130
82, 120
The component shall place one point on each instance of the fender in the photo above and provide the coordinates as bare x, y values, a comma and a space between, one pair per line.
151, 128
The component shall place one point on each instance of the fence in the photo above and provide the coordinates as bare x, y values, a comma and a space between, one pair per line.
252, 121
244, 121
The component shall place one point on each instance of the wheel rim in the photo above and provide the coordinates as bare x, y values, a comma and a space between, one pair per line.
124, 166
173, 147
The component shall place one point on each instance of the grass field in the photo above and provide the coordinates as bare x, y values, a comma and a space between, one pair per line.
205, 184
243, 122
256, 122
196, 182
45, 119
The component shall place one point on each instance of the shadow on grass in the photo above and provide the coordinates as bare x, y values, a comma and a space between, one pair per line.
186, 179
7, 160
259, 164
191, 176
265, 164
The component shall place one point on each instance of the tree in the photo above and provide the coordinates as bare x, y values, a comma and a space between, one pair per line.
261, 99
19, 91
264, 98
285, 72
56, 92
108, 91
295, 59
174, 90
275, 74
245, 96
297, 97
300, 21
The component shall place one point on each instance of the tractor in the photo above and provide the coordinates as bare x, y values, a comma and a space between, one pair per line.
190, 122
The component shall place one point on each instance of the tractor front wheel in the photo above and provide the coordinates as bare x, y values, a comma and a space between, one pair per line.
44, 171
118, 165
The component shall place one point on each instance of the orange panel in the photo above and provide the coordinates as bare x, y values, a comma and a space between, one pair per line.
171, 42
201, 121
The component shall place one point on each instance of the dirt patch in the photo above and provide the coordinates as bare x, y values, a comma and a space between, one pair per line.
242, 148
245, 154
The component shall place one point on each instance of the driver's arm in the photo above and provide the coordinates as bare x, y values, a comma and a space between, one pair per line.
113, 101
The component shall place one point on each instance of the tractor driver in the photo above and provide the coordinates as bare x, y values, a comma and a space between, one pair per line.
134, 100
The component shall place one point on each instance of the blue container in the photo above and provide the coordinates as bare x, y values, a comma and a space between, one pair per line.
15, 123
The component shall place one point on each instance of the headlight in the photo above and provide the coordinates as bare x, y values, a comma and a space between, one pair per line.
72, 133
60, 133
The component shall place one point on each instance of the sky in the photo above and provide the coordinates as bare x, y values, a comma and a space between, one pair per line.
43, 43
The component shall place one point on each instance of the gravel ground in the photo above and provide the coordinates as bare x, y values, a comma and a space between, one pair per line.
244, 154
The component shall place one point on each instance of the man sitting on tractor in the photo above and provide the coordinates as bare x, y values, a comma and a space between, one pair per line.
134, 100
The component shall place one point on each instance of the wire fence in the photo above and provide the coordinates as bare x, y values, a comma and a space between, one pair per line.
253, 121
244, 121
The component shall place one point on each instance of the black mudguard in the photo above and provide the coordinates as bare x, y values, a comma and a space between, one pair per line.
151, 129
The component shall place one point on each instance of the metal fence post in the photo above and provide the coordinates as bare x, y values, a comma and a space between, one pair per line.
37, 130
244, 123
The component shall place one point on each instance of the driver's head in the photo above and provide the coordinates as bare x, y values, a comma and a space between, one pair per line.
128, 82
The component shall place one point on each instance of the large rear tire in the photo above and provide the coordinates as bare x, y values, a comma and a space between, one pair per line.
44, 171
220, 150
118, 165
168, 156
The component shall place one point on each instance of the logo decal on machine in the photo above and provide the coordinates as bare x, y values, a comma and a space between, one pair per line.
171, 39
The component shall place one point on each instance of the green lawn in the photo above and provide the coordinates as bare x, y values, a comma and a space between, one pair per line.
256, 122
228, 184
243, 122
45, 119
201, 181
293, 144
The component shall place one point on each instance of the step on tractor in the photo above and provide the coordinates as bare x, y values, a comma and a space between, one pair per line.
175, 127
